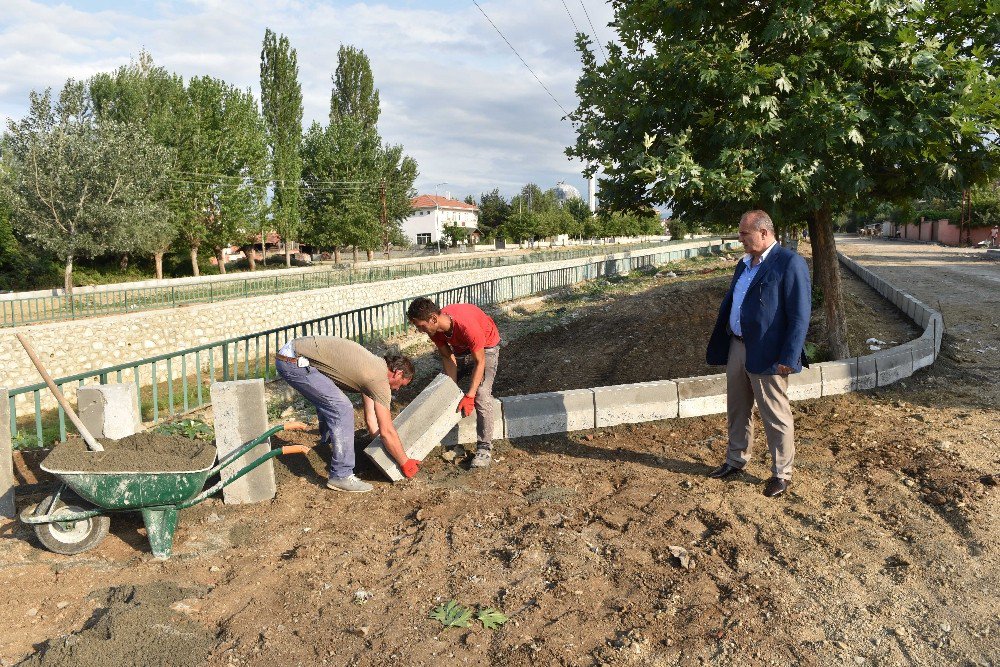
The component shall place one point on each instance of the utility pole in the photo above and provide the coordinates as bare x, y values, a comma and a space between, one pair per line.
385, 219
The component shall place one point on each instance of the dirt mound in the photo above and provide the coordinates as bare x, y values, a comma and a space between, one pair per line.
142, 452
137, 627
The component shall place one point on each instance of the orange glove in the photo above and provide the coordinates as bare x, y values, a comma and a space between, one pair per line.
410, 468
467, 405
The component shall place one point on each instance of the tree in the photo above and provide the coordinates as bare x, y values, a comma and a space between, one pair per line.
579, 210
225, 159
396, 174
73, 181
354, 94
801, 109
281, 101
493, 212
148, 96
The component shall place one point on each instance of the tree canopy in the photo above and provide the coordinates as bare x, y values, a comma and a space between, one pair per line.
800, 109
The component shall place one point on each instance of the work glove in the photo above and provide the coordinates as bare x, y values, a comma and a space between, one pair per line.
467, 405
410, 468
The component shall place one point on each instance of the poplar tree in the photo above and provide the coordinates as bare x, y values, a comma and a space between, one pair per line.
354, 94
281, 102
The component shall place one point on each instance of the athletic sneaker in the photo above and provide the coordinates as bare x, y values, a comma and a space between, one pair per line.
350, 484
482, 459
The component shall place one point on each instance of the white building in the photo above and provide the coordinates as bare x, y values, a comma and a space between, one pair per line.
431, 214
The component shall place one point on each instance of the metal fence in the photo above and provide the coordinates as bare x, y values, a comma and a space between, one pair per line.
175, 383
32, 310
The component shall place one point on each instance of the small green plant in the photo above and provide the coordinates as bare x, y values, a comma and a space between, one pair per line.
188, 428
490, 618
452, 615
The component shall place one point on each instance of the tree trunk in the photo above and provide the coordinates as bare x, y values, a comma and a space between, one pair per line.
221, 259
371, 255
354, 249
158, 261
249, 252
123, 263
288, 256
68, 276
194, 261
336, 254
824, 250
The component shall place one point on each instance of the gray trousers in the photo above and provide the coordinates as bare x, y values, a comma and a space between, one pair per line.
484, 395
770, 392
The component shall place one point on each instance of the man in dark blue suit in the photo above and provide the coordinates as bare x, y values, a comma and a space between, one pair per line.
760, 338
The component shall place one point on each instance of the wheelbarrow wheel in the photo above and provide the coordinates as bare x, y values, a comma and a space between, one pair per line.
73, 537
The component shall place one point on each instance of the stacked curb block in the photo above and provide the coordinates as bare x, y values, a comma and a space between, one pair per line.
561, 412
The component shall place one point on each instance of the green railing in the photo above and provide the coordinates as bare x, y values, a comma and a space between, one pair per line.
32, 310
178, 382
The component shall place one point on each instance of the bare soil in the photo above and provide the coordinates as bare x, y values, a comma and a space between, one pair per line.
884, 551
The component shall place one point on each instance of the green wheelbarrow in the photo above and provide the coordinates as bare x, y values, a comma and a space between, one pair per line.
71, 525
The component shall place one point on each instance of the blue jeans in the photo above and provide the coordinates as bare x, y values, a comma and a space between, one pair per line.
334, 409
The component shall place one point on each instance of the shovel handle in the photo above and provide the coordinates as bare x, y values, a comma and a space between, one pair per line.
294, 449
92, 444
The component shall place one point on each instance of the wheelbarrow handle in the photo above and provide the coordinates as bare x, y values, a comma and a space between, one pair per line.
289, 449
243, 449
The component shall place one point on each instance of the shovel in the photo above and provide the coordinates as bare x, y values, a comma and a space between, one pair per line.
92, 444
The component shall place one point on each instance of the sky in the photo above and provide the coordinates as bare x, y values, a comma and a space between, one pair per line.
452, 91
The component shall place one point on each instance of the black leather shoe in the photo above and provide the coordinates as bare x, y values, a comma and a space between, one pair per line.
723, 471
775, 487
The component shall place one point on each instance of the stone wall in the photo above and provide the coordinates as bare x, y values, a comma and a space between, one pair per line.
73, 347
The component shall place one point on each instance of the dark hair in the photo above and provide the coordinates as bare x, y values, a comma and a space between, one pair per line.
422, 309
397, 362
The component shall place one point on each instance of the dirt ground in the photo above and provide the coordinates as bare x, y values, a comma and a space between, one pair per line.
884, 551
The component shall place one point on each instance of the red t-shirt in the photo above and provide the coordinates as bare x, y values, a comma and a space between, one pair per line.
471, 329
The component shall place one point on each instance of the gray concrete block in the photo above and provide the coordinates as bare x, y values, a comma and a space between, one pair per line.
936, 324
893, 364
6, 461
421, 426
910, 304
464, 433
240, 414
923, 351
923, 315
899, 300
867, 377
109, 410
552, 412
704, 395
806, 384
634, 403
839, 377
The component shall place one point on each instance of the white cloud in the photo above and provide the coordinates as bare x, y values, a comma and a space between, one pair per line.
452, 92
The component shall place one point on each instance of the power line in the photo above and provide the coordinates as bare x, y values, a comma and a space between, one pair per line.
576, 30
596, 38
561, 108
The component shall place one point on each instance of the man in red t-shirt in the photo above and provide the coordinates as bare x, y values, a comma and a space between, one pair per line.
469, 344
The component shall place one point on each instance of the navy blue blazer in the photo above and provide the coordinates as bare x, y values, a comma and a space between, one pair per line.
774, 316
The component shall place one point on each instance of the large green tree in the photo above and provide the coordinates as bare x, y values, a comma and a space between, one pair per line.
357, 188
74, 182
281, 101
150, 97
224, 160
799, 108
